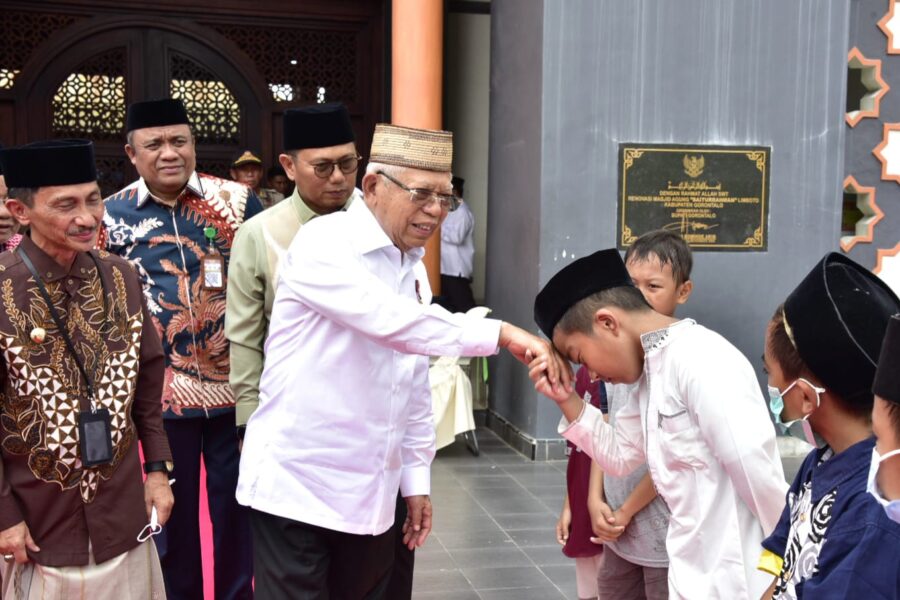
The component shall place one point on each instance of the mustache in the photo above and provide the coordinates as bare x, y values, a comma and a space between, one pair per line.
81, 230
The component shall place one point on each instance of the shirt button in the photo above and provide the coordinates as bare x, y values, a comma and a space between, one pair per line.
49, 275
70, 282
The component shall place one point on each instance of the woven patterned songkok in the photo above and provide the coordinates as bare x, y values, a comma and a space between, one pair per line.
413, 148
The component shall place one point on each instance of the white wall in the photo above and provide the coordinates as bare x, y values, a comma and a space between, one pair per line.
467, 69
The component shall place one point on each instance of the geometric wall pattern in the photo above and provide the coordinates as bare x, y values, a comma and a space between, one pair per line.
90, 102
871, 231
20, 33
301, 65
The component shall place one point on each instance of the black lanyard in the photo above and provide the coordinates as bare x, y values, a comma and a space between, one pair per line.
60, 325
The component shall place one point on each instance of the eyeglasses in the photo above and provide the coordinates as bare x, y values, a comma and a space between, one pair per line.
323, 170
422, 197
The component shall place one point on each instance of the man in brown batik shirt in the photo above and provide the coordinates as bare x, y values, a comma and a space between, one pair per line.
67, 528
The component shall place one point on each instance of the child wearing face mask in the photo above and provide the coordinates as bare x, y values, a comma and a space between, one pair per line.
821, 352
884, 473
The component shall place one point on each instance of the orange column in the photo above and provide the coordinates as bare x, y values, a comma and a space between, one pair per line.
417, 71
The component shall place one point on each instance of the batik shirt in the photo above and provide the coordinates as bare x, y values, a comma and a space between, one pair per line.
166, 245
43, 481
833, 540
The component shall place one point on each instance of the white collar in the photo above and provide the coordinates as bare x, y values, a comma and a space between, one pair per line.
193, 185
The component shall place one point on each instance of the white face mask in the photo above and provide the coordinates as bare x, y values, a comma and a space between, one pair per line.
891, 507
798, 428
152, 528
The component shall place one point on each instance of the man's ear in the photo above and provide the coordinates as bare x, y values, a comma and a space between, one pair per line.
18, 210
130, 151
288, 164
370, 180
684, 292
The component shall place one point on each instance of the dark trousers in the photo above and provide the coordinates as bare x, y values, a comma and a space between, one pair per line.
401, 581
456, 293
298, 561
179, 542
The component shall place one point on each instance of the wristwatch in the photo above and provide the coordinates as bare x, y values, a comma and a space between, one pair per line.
166, 466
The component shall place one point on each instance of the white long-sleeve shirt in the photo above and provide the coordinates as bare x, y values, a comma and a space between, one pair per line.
344, 417
697, 418
458, 243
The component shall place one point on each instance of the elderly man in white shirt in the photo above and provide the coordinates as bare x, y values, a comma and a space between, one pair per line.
344, 418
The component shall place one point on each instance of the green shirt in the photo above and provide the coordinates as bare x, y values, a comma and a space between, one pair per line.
258, 248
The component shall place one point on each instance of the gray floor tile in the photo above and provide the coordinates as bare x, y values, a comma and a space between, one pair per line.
550, 494
535, 537
544, 556
446, 580
432, 561
531, 520
541, 593
487, 538
564, 578
493, 578
512, 504
441, 595
469, 558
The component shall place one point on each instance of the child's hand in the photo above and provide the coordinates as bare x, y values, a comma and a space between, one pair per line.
622, 517
603, 522
563, 525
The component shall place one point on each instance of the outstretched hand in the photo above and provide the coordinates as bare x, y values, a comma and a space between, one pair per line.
529, 349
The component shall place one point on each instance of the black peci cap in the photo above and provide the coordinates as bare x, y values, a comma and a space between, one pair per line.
156, 113
600, 271
49, 163
317, 126
887, 376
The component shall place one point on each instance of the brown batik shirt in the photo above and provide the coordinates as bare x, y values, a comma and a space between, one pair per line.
42, 480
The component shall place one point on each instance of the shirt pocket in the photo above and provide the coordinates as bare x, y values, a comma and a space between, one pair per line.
679, 440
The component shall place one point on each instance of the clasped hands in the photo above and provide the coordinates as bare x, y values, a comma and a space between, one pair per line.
551, 373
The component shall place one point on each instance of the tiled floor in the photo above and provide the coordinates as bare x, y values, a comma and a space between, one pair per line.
494, 527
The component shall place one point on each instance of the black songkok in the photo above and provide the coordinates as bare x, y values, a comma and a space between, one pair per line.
48, 163
887, 377
836, 319
156, 113
317, 126
600, 271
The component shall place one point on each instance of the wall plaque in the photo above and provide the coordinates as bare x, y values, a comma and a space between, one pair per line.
716, 197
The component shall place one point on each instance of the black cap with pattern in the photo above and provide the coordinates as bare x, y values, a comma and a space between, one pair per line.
836, 319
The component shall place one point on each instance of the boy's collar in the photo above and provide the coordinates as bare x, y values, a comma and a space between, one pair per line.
659, 338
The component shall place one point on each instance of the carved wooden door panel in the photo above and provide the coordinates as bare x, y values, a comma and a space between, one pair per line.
86, 91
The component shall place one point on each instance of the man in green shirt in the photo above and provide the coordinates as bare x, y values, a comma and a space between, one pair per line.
320, 157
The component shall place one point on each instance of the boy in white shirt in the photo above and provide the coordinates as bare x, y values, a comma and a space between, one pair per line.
696, 417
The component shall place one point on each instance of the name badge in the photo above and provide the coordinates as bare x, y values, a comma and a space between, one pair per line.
212, 265
95, 437
212, 272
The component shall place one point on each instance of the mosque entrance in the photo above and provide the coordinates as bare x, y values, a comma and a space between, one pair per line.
71, 74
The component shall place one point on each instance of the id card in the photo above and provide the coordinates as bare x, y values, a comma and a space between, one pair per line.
212, 270
95, 437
